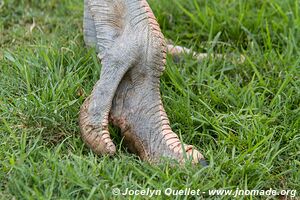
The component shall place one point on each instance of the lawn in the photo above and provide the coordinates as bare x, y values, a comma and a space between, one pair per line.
243, 117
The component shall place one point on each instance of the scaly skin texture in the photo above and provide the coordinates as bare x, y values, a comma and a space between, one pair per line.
132, 51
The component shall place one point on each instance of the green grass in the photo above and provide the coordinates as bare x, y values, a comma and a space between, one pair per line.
244, 117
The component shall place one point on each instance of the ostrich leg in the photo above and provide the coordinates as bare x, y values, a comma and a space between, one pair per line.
132, 50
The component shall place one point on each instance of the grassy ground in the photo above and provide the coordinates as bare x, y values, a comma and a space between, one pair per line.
245, 118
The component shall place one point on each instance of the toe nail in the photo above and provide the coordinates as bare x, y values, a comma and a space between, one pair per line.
203, 163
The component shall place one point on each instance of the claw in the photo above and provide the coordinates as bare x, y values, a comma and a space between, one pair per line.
203, 162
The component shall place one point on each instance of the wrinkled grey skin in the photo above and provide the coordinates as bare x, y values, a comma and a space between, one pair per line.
132, 51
